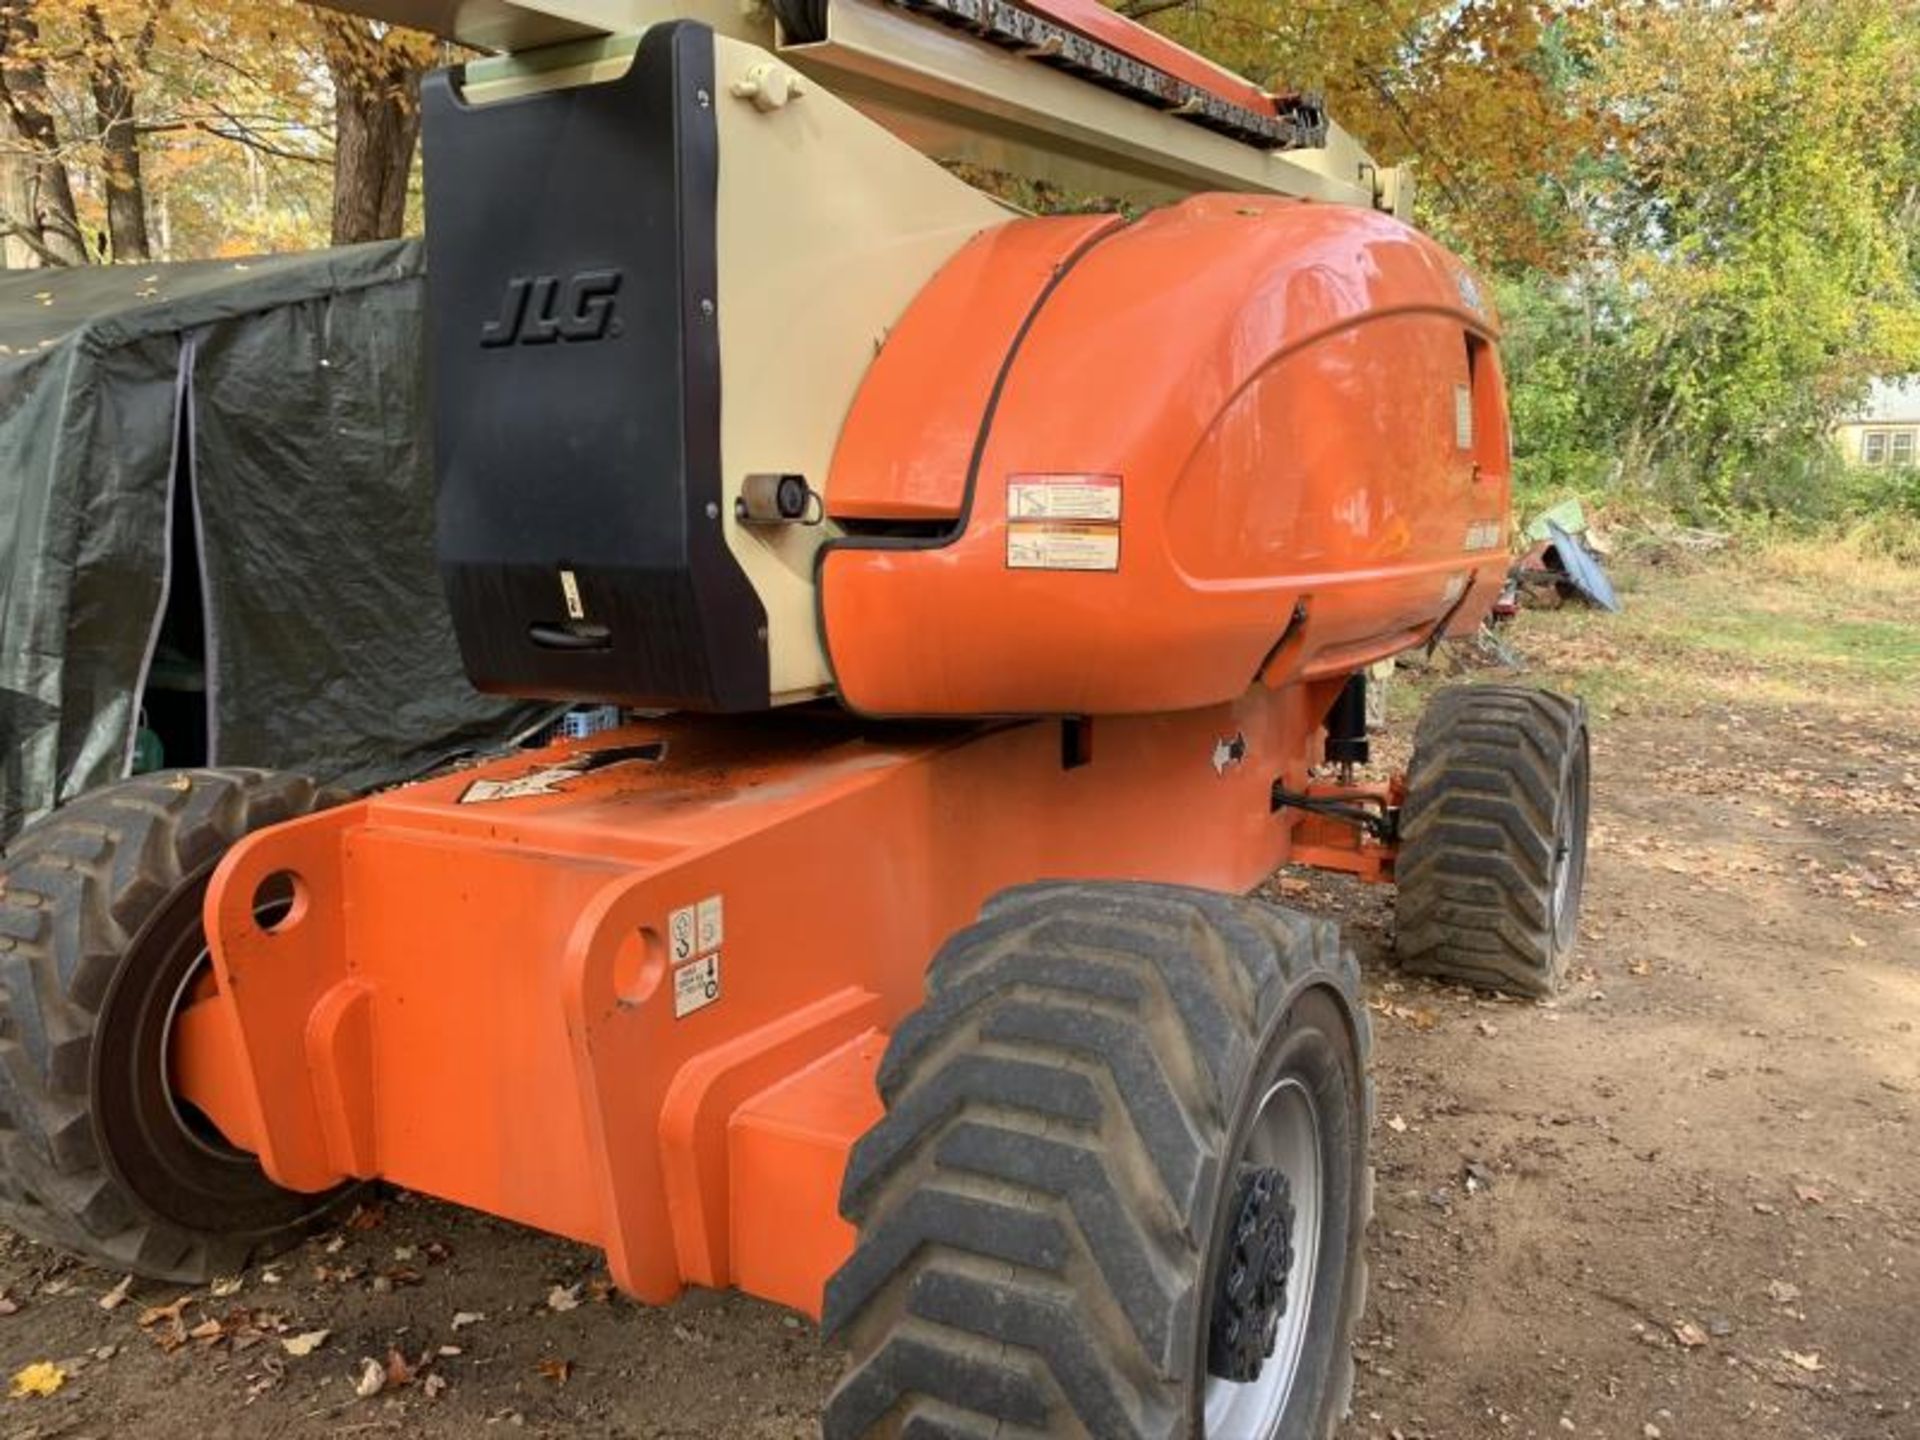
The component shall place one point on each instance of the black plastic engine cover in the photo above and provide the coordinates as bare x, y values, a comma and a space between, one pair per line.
573, 289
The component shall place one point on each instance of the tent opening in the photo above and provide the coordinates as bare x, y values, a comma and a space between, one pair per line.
173, 706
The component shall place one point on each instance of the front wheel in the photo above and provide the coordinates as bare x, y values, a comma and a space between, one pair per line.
1121, 1186
101, 947
1493, 839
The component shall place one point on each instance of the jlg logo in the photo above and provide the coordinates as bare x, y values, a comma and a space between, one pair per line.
542, 309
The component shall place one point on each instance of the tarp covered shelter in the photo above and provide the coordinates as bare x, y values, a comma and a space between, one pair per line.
216, 527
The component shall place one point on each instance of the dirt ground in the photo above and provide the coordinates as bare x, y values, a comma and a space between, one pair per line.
1682, 1201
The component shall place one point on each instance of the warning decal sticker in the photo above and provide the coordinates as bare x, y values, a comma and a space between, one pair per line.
1463, 416
696, 986
1484, 535
1063, 522
694, 935
1064, 497
1051, 545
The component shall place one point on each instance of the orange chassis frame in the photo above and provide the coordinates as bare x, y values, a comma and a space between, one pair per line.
478, 1000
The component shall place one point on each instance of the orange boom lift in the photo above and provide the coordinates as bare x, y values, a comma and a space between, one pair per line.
992, 599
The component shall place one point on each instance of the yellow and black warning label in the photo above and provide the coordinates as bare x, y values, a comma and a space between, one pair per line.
1062, 545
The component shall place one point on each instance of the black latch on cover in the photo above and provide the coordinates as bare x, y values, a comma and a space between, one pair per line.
572, 275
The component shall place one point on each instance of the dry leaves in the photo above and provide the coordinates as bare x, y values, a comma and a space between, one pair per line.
38, 1380
157, 1314
367, 1217
1690, 1335
117, 1296
305, 1344
558, 1371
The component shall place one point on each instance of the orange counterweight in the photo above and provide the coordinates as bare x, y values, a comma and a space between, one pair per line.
1239, 419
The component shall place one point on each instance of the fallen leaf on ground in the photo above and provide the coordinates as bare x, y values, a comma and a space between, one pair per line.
371, 1378
558, 1371
40, 1379
305, 1344
433, 1385
1689, 1335
117, 1296
227, 1285
154, 1314
1809, 1362
1808, 1195
464, 1318
564, 1298
399, 1372
1397, 1125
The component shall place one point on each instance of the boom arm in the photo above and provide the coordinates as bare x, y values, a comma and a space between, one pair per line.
1061, 91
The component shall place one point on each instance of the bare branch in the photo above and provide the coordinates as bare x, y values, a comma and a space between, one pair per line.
29, 235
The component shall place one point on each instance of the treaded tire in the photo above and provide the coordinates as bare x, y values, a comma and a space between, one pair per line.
1043, 1208
1493, 839
99, 933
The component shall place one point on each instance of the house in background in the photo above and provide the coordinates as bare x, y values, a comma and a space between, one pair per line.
1886, 431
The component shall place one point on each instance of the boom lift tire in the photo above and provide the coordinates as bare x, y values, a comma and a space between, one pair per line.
1096, 1127
101, 943
1493, 839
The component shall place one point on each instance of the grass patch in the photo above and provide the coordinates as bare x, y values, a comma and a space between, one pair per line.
1793, 624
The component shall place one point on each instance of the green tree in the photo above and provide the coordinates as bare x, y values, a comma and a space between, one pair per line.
1763, 226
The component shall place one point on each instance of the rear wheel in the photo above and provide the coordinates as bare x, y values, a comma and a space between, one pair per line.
101, 948
1121, 1186
1493, 839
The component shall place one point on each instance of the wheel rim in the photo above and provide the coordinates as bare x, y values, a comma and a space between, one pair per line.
159, 1146
1570, 849
1285, 1135
195, 1125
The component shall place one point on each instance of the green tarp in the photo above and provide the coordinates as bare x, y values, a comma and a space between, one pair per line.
216, 516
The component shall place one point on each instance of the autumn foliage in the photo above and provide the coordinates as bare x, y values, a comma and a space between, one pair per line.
138, 129
1703, 216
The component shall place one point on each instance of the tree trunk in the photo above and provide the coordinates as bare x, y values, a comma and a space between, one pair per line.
15, 200
376, 82
113, 104
49, 225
